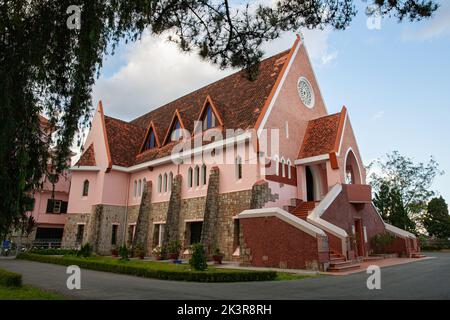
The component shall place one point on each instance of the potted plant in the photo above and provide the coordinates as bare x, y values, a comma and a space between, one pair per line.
158, 253
139, 251
217, 256
174, 249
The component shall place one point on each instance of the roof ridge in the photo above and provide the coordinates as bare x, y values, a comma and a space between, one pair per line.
207, 85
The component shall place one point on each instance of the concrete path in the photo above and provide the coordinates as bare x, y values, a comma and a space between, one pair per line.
426, 279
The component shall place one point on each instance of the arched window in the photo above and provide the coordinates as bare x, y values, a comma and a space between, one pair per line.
85, 188
283, 168
190, 178
159, 183
277, 165
135, 188
289, 168
204, 174
209, 119
165, 182
197, 176
170, 180
139, 187
238, 168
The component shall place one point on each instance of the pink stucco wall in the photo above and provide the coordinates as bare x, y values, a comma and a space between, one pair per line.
39, 212
288, 107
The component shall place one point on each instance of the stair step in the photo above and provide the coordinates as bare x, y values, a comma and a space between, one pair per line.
336, 260
342, 263
344, 268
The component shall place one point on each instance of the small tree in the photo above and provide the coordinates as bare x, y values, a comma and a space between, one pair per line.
437, 219
85, 251
402, 188
198, 259
123, 253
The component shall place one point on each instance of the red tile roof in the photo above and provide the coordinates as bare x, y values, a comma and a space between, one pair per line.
124, 141
238, 100
88, 157
321, 135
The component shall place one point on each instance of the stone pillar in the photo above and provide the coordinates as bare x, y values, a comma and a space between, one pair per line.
210, 228
94, 226
172, 228
142, 223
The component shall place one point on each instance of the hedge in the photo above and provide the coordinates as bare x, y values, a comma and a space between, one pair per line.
10, 279
54, 252
181, 275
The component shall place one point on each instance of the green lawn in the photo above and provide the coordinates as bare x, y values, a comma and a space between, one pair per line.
27, 293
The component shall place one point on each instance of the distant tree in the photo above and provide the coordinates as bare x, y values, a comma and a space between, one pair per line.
48, 67
437, 219
402, 188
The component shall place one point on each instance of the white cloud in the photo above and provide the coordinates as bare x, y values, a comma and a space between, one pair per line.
153, 71
378, 115
437, 26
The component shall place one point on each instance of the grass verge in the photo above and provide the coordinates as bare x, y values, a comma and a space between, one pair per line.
26, 292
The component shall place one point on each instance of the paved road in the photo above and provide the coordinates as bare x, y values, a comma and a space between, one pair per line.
428, 279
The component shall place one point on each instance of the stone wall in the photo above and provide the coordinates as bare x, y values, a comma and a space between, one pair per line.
172, 228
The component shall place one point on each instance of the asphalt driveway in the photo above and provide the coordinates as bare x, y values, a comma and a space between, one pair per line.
427, 279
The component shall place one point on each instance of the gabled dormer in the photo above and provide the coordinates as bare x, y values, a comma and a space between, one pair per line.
151, 140
175, 128
209, 116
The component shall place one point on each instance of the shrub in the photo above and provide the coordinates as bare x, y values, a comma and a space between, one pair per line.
85, 251
198, 258
123, 253
177, 275
381, 241
10, 279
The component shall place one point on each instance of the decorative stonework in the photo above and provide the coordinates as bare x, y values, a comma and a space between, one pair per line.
172, 229
211, 215
142, 223
261, 194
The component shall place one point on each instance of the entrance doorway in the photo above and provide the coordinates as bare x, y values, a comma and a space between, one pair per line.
193, 232
310, 196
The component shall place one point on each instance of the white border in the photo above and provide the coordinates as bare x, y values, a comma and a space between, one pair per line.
313, 95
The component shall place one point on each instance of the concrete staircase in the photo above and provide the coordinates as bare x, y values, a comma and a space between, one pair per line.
338, 263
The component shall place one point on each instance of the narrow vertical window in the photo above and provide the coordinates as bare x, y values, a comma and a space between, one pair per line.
135, 188
283, 168
139, 187
85, 188
289, 168
204, 174
165, 182
238, 168
197, 176
209, 120
114, 234
159, 183
190, 178
170, 180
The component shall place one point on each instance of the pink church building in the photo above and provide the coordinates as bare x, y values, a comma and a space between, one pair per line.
50, 204
255, 168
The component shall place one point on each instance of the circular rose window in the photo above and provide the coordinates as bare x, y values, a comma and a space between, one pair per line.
305, 92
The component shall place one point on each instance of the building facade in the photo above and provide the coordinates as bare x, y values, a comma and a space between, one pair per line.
257, 169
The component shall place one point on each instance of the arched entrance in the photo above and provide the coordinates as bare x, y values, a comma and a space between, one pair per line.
352, 170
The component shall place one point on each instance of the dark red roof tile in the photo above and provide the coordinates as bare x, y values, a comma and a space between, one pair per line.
88, 157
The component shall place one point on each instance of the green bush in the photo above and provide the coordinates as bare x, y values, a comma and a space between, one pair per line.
54, 252
178, 275
198, 258
85, 251
123, 253
10, 279
381, 241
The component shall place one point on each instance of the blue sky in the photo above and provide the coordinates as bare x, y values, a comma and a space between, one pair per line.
395, 82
